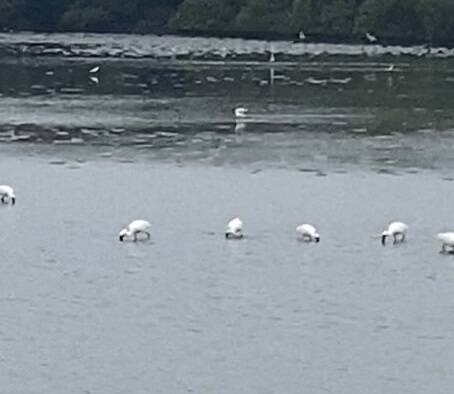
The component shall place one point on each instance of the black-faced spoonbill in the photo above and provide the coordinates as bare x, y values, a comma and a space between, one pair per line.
397, 230
7, 194
447, 240
308, 233
234, 229
135, 228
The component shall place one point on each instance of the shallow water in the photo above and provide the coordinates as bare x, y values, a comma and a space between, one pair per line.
189, 311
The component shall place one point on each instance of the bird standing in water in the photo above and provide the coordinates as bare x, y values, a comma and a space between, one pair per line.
135, 228
397, 230
7, 194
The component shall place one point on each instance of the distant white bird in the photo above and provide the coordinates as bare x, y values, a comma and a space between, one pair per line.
397, 230
7, 194
94, 70
234, 229
371, 38
301, 35
272, 58
447, 239
390, 68
308, 233
95, 80
135, 228
240, 112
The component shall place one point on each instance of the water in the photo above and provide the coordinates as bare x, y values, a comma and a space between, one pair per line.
190, 311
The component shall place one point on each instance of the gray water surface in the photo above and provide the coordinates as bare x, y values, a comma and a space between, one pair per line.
188, 311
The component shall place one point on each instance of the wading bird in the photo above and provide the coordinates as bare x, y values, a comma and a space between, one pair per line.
234, 229
447, 240
308, 233
7, 194
397, 230
135, 228
240, 112
371, 38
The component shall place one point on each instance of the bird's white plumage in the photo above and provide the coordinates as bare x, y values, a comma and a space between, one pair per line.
94, 70
308, 232
139, 225
7, 191
395, 230
371, 37
134, 228
234, 229
301, 35
447, 240
240, 112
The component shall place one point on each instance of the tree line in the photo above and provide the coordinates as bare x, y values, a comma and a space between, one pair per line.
401, 20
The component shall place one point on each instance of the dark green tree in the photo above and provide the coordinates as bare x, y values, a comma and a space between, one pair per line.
438, 20
31, 14
206, 14
412, 20
402, 19
265, 15
329, 17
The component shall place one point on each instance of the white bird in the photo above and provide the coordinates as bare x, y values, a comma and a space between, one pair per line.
240, 112
308, 233
272, 58
390, 68
397, 230
447, 239
94, 70
135, 228
371, 38
301, 35
7, 194
234, 229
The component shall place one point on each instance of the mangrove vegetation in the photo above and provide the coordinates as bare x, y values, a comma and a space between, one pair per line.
399, 20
